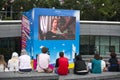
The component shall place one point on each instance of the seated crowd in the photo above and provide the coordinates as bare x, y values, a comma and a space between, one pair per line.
22, 63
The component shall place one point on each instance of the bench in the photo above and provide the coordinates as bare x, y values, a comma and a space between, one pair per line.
53, 76
28, 76
90, 76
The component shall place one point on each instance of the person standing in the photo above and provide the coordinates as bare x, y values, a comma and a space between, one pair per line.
25, 62
43, 61
62, 64
13, 63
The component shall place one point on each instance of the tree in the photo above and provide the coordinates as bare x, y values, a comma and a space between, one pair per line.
89, 9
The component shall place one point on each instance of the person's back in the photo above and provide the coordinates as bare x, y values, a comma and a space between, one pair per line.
63, 65
43, 61
96, 64
89, 65
1, 68
2, 63
56, 64
114, 66
25, 62
13, 63
80, 66
103, 65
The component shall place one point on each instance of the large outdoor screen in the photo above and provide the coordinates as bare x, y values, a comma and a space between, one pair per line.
57, 28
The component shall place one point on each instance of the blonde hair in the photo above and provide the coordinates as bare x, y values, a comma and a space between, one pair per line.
23, 52
2, 61
14, 54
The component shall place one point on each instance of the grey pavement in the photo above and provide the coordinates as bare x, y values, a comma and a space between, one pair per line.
90, 76
53, 76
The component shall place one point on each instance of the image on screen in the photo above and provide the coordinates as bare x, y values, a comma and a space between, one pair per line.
56, 28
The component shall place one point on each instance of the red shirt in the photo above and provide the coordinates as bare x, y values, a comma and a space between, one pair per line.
63, 66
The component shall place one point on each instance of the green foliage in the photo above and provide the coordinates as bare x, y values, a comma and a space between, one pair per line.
8, 18
89, 9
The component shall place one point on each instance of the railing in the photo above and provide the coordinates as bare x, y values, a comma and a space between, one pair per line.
7, 15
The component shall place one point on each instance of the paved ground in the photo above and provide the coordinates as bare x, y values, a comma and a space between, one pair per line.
103, 76
53, 76
28, 76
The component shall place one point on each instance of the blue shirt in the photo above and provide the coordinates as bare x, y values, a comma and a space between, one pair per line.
96, 66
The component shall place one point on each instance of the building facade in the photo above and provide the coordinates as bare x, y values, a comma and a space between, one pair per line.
95, 37
10, 38
99, 37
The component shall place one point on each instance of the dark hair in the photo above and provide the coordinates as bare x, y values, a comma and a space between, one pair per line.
101, 58
54, 20
113, 55
44, 50
78, 57
97, 56
61, 54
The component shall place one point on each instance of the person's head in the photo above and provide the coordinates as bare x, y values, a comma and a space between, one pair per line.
78, 57
54, 24
90, 60
23, 52
44, 50
97, 56
61, 54
113, 55
2, 59
14, 54
101, 58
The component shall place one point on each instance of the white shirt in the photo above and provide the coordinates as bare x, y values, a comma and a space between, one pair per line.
13, 64
1, 68
89, 65
43, 60
103, 64
25, 62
